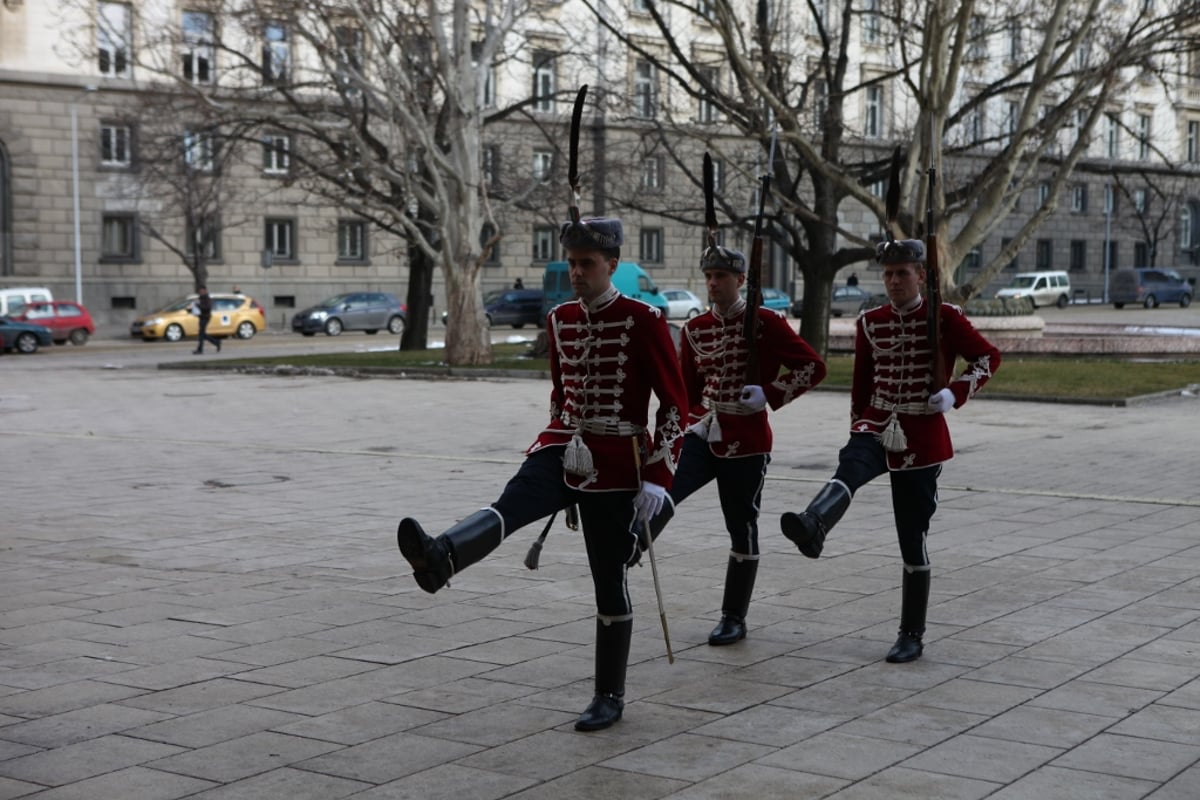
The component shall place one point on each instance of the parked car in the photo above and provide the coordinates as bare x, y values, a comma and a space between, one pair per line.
14, 299
682, 304
850, 300
67, 321
516, 307
1150, 287
353, 311
1042, 288
233, 315
774, 300
24, 337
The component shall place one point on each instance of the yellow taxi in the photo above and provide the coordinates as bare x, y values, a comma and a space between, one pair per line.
232, 315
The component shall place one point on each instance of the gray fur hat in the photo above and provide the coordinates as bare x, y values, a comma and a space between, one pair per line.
900, 251
718, 257
595, 233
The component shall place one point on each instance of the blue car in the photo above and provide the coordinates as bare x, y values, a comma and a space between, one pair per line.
23, 337
774, 300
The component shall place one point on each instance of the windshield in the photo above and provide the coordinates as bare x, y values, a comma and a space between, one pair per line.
176, 305
1022, 282
336, 300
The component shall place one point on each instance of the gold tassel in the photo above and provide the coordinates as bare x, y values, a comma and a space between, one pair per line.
577, 459
714, 429
892, 438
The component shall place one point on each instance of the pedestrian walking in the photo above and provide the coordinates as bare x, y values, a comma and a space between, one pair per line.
203, 309
898, 425
608, 354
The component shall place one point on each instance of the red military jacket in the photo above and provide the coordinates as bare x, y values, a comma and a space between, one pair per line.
892, 374
605, 360
713, 354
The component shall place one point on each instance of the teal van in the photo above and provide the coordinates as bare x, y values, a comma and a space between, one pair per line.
630, 279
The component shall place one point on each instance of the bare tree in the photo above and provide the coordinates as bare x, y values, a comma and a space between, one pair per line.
937, 69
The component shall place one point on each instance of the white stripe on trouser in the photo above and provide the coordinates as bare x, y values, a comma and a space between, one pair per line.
607, 619
740, 557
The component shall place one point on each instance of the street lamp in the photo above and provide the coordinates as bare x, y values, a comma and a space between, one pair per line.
75, 190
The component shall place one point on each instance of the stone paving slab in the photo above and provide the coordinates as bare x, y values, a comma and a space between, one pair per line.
200, 597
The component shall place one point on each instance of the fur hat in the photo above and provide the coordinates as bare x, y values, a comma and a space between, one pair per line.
900, 251
595, 233
718, 257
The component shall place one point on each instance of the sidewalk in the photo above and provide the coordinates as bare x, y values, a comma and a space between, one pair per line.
200, 597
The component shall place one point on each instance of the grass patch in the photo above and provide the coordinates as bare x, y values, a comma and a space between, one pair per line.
1067, 378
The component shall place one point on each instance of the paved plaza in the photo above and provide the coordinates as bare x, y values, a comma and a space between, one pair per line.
200, 597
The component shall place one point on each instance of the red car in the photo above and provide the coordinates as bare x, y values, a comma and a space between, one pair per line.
67, 321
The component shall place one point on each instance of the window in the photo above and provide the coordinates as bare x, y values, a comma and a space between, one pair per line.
1082, 54
708, 110
198, 36
119, 237
878, 189
1112, 136
873, 113
491, 163
349, 43
1015, 45
351, 240
543, 81
543, 162
488, 234
1140, 201
1081, 121
640, 6
652, 173
113, 35
199, 150
974, 259
1015, 263
1193, 141
276, 149
1079, 198
1143, 137
820, 102
1110, 199
116, 146
977, 38
276, 53
1045, 253
1043, 194
975, 125
279, 239
650, 246
1185, 230
1078, 255
1141, 254
203, 238
718, 175
1114, 248
820, 16
645, 92
487, 95
1011, 116
705, 8
871, 21
543, 243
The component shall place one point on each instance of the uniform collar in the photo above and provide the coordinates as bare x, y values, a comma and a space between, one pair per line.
912, 306
606, 297
738, 307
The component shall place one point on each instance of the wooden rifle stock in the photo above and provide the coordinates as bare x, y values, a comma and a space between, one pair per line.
754, 276
933, 298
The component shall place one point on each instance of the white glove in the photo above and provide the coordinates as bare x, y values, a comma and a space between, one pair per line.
941, 402
753, 398
649, 501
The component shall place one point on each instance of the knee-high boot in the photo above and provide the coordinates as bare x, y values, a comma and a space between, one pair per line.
913, 604
435, 561
612, 656
808, 528
739, 586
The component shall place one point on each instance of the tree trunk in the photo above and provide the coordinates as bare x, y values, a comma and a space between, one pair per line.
419, 300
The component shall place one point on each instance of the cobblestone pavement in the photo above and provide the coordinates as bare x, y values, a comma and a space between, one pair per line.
200, 597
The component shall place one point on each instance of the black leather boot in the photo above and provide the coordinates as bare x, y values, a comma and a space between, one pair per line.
739, 586
612, 655
808, 528
913, 604
435, 561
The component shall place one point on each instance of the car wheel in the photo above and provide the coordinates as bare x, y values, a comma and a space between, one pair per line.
518, 325
693, 312
333, 326
26, 343
1185, 301
395, 325
246, 329
1150, 302
371, 332
308, 333
79, 336
1062, 301
1118, 305
174, 332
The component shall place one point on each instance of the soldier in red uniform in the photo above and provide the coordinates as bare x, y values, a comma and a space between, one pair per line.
607, 354
897, 425
729, 438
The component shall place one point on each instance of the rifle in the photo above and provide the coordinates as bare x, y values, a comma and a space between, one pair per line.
754, 276
710, 211
933, 291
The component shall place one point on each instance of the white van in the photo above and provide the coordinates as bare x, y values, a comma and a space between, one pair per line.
1042, 288
13, 300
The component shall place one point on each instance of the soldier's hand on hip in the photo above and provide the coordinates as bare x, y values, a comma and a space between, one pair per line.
942, 401
753, 397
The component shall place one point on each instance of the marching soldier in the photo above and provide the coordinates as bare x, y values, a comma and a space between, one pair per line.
607, 354
729, 438
897, 425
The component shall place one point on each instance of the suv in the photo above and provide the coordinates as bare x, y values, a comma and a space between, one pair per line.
1149, 287
516, 307
353, 311
1042, 288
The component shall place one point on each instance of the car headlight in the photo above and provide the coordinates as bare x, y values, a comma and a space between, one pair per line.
319, 314
156, 321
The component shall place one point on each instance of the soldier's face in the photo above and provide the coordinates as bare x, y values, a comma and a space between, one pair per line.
590, 272
903, 282
723, 286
